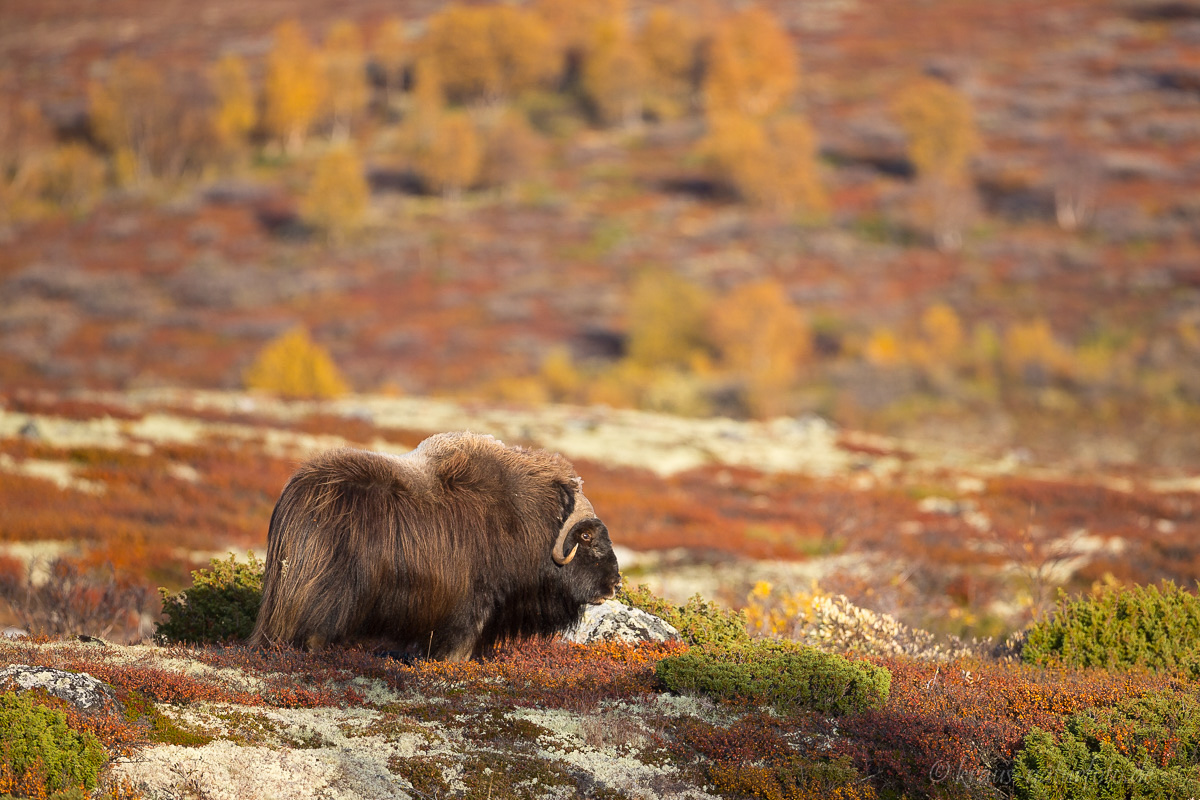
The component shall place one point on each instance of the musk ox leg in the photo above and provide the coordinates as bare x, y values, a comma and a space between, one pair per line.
456, 640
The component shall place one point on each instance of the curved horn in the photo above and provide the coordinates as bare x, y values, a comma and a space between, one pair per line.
583, 510
557, 552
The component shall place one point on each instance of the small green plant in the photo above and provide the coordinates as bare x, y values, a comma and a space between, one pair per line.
781, 674
424, 773
220, 605
698, 621
1144, 747
1156, 627
39, 752
162, 729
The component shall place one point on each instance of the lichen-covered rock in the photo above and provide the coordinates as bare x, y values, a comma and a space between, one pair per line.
613, 621
77, 688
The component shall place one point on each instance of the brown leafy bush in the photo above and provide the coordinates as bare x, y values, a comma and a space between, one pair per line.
73, 599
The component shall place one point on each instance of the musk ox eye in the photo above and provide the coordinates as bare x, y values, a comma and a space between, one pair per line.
585, 537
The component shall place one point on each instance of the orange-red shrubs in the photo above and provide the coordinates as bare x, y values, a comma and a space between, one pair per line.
44, 404
76, 598
12, 572
756, 737
959, 725
552, 673
547, 672
30, 784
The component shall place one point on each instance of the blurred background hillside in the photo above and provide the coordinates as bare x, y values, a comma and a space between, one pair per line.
977, 221
972, 225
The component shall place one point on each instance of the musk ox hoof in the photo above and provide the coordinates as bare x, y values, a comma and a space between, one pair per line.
613, 621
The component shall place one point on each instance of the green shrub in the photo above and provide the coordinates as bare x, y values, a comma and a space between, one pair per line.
782, 674
1145, 747
698, 621
36, 740
1119, 628
220, 605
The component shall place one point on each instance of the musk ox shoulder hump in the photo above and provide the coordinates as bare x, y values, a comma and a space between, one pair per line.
367, 469
464, 458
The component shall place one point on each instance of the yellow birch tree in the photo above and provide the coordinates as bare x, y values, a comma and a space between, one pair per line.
668, 319
940, 128
458, 42
235, 113
449, 162
764, 340
491, 53
389, 53
614, 74
572, 21
294, 87
770, 163
345, 64
337, 197
667, 45
293, 365
151, 131
753, 69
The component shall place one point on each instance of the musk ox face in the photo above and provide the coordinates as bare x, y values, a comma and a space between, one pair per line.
443, 552
595, 575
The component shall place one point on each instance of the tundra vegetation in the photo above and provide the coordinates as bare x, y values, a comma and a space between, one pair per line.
972, 225
862, 229
767, 717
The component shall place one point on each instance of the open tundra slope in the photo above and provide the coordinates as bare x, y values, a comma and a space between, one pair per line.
962, 539
662, 443
378, 729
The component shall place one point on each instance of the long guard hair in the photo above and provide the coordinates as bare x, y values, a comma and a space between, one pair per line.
444, 551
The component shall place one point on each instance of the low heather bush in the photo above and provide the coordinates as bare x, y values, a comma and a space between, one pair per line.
1156, 627
794, 779
698, 621
1141, 748
835, 624
220, 605
781, 674
39, 753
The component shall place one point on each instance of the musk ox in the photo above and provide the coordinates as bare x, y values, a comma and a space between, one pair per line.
443, 552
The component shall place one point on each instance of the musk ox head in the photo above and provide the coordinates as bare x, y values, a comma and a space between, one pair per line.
443, 552
597, 574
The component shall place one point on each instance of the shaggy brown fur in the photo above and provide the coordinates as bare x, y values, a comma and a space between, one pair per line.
442, 552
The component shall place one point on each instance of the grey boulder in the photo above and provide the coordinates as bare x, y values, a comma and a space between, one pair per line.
613, 621
77, 688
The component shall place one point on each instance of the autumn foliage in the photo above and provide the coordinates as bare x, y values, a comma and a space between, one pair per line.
753, 70
337, 197
236, 111
491, 52
294, 87
293, 365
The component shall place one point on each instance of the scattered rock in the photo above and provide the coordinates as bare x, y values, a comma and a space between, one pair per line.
77, 688
613, 621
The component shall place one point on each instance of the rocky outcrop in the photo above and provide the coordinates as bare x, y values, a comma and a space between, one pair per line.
613, 621
77, 688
